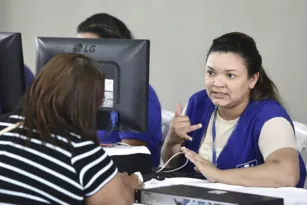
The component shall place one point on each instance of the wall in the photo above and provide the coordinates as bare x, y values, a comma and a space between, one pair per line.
181, 32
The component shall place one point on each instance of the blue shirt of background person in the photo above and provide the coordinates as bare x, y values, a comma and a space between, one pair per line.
106, 26
29, 77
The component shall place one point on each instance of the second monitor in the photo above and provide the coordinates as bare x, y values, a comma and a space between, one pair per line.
12, 76
125, 64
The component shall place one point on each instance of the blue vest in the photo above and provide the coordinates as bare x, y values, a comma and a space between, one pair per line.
242, 148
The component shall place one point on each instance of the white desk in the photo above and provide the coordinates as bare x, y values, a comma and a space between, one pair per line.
292, 196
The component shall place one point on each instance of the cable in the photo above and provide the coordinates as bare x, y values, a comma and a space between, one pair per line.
113, 119
109, 133
122, 143
168, 161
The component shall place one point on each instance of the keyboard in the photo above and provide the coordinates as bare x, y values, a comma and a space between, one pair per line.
162, 175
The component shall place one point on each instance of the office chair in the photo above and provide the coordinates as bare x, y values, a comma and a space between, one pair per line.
301, 141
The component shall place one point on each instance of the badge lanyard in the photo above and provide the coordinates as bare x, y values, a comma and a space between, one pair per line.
214, 136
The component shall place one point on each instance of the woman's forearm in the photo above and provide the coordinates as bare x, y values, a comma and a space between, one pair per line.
271, 174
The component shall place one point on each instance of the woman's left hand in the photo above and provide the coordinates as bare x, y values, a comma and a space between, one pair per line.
202, 165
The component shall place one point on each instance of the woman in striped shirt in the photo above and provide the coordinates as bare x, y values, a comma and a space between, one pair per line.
49, 151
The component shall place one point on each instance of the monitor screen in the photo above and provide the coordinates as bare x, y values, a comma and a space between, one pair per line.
125, 64
12, 76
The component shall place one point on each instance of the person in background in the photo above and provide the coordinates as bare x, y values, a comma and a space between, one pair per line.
29, 77
237, 130
49, 149
103, 25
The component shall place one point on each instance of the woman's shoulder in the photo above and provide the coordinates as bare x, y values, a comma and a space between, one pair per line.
200, 93
272, 107
199, 104
265, 110
199, 96
200, 99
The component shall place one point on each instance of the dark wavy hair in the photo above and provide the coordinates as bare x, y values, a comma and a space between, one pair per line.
105, 26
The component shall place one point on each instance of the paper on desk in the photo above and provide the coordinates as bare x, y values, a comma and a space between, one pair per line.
170, 182
125, 150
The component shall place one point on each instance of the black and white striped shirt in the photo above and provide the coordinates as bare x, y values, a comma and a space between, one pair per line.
36, 173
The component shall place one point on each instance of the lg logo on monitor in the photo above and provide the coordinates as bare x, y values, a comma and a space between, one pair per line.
80, 47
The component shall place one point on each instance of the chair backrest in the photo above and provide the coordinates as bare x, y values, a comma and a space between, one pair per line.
301, 141
301, 138
167, 117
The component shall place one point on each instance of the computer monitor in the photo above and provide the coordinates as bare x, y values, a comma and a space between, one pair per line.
12, 76
125, 64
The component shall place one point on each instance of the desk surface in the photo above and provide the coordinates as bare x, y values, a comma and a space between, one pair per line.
292, 196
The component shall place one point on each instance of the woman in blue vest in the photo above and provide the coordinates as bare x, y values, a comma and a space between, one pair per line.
237, 130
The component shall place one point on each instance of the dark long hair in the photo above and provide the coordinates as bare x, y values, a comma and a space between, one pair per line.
105, 26
245, 46
65, 96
